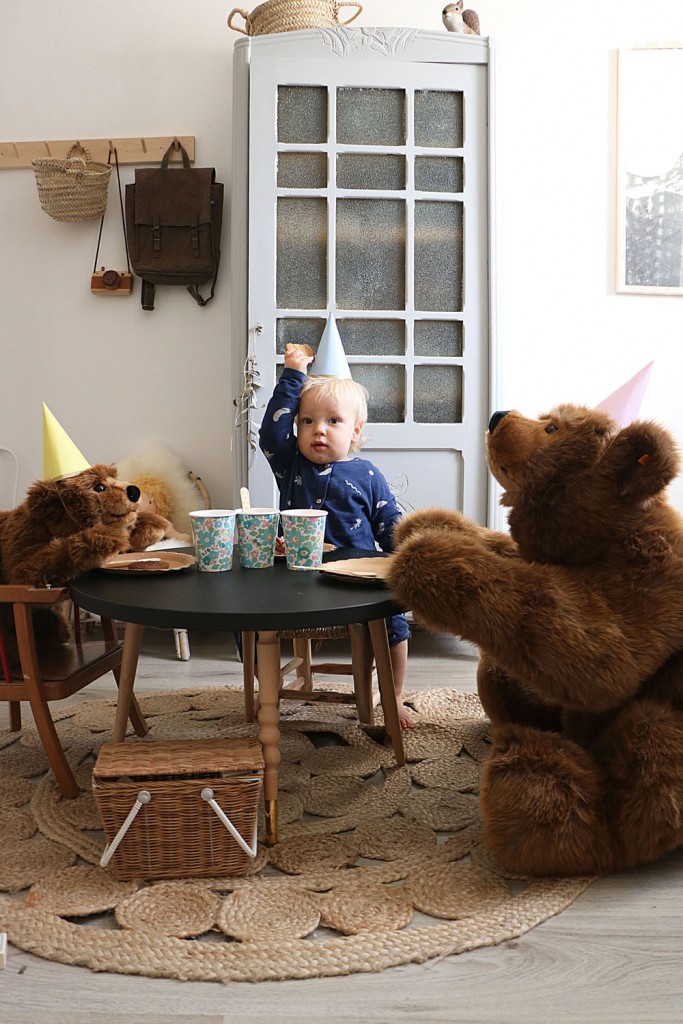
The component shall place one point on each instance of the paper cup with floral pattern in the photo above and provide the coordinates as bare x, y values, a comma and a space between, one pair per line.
256, 533
213, 531
304, 533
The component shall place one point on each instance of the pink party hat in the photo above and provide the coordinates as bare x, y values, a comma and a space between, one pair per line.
623, 405
330, 359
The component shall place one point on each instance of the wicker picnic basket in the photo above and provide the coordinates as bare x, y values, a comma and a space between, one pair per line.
292, 16
74, 189
179, 808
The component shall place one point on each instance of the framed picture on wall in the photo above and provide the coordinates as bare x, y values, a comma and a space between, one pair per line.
650, 169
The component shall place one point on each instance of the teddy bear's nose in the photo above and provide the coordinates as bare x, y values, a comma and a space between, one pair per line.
495, 420
133, 492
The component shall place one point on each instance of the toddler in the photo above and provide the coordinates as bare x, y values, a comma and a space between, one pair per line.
317, 467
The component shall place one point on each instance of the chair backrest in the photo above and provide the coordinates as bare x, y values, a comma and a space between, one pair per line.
9, 478
22, 593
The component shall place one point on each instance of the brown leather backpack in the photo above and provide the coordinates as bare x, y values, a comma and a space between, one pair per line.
173, 226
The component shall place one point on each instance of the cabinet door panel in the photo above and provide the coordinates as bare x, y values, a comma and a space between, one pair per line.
438, 263
371, 254
368, 198
301, 256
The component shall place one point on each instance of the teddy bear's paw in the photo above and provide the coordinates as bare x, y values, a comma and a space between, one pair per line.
420, 576
148, 529
447, 579
541, 805
429, 519
103, 541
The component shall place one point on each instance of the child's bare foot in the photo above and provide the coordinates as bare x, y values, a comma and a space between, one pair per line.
404, 719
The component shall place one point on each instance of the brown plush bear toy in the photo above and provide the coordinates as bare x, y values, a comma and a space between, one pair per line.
578, 616
67, 527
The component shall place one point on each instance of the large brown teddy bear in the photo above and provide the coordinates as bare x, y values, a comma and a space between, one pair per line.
67, 527
578, 616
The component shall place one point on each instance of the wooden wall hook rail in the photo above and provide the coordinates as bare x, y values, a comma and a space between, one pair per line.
141, 150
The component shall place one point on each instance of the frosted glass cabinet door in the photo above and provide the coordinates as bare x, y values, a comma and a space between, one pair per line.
364, 181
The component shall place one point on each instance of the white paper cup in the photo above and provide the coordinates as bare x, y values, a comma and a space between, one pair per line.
213, 530
304, 533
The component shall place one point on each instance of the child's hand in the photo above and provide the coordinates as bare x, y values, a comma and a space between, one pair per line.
298, 357
279, 545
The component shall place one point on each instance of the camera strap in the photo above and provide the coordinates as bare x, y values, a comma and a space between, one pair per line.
112, 149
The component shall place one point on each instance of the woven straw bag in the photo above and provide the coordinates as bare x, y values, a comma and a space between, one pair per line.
292, 15
73, 189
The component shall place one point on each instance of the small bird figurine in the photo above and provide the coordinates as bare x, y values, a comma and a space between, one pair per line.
457, 20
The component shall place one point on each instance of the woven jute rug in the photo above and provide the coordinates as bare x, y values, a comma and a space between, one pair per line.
376, 865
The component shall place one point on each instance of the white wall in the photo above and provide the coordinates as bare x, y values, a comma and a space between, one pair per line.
113, 374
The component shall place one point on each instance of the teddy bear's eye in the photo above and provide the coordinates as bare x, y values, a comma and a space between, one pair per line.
551, 428
99, 487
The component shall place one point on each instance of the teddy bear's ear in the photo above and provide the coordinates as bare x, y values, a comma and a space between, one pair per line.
104, 471
645, 458
42, 494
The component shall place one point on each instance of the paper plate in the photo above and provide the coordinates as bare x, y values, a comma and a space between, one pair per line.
361, 570
148, 561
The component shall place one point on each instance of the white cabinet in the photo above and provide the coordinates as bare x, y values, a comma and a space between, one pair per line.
361, 188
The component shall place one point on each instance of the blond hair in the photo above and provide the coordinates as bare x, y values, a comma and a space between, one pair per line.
347, 391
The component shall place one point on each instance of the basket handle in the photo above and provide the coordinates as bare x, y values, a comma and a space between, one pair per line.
247, 21
345, 3
207, 794
144, 797
82, 153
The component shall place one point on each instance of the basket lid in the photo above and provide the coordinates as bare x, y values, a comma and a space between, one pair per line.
179, 757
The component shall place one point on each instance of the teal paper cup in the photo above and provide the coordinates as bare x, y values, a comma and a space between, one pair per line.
256, 533
213, 531
304, 533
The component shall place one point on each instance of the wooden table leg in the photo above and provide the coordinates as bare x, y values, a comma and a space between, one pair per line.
387, 693
268, 658
136, 716
132, 637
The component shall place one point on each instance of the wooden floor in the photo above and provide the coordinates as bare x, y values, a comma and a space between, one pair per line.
614, 957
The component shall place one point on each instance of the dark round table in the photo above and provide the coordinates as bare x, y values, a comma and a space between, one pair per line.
241, 599
267, 601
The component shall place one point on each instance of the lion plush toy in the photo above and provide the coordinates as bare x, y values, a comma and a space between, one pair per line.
67, 527
578, 616
167, 487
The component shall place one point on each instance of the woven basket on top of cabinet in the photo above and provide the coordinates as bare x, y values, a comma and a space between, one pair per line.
176, 832
292, 16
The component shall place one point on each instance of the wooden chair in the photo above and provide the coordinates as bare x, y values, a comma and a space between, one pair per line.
301, 687
55, 674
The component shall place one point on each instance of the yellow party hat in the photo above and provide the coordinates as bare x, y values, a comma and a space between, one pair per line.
61, 457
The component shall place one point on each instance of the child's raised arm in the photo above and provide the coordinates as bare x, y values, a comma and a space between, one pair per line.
298, 357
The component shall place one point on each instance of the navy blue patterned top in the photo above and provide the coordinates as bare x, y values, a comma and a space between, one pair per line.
361, 510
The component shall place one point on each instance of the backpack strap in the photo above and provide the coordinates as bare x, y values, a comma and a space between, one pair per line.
194, 290
147, 293
199, 299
